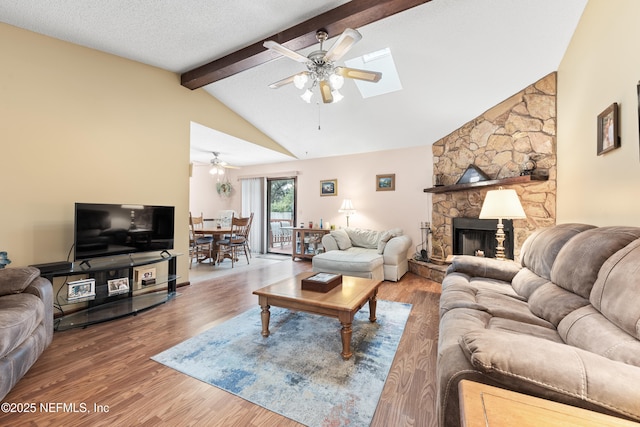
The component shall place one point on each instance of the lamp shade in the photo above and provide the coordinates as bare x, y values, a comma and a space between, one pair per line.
347, 207
502, 204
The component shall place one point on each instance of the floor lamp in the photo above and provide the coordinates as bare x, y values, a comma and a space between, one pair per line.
501, 204
347, 209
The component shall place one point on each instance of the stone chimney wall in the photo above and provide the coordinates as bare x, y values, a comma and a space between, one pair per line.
499, 142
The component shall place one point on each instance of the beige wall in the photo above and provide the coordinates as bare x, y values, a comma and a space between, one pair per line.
601, 66
405, 207
78, 125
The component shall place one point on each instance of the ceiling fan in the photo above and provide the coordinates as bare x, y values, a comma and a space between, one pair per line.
322, 71
218, 166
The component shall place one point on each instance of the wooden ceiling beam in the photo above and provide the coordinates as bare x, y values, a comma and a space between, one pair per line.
353, 14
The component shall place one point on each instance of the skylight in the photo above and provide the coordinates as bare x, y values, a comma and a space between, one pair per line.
381, 61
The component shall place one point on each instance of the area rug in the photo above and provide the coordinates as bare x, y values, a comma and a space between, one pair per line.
298, 371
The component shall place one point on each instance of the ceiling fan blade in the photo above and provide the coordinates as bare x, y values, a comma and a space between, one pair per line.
345, 42
354, 73
230, 167
283, 82
270, 44
325, 91
286, 81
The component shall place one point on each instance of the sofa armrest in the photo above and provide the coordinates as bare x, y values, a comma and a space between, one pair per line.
329, 243
554, 370
395, 251
43, 289
15, 280
489, 268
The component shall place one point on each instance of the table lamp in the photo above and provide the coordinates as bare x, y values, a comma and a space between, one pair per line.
347, 209
501, 204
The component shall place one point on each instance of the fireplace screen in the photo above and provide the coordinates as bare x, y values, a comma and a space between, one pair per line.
472, 236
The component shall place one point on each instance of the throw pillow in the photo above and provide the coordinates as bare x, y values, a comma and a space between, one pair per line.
342, 239
363, 238
386, 236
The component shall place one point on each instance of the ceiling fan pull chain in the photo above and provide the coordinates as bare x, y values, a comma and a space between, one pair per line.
318, 115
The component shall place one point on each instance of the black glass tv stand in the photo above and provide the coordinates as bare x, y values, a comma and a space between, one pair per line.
103, 302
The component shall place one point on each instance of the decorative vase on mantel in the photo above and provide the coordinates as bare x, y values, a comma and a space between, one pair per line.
4, 260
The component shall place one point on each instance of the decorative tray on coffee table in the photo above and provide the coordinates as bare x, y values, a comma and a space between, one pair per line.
321, 282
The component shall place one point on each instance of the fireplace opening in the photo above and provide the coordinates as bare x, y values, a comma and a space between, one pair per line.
472, 236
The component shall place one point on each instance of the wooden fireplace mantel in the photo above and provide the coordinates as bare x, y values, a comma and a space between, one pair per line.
505, 181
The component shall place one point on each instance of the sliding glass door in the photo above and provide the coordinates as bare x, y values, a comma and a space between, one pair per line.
281, 214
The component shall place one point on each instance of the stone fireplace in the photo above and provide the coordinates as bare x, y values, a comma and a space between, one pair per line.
499, 142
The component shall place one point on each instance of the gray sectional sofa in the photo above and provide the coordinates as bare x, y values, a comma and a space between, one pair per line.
26, 322
564, 324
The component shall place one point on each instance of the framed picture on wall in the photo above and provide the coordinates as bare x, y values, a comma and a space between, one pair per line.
608, 137
386, 182
329, 187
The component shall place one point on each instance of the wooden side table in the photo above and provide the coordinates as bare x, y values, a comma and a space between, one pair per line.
482, 405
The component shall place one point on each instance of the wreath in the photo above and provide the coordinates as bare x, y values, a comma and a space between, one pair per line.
224, 188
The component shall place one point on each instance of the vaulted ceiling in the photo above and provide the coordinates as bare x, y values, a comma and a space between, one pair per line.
455, 59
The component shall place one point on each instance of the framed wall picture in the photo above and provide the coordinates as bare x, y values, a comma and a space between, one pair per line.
329, 187
386, 182
608, 136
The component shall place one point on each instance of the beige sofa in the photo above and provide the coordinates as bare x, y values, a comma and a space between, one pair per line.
26, 322
381, 255
563, 325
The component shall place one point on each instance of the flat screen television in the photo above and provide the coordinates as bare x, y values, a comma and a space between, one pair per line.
102, 230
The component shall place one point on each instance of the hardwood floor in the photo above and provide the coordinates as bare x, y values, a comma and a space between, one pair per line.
103, 375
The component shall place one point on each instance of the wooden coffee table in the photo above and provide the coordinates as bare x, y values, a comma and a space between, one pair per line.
341, 302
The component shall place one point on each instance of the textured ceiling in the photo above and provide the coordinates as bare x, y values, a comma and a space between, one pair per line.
455, 59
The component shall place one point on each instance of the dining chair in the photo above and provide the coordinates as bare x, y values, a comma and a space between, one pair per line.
235, 241
200, 246
276, 234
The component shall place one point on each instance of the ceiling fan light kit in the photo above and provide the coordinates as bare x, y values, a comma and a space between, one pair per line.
322, 71
218, 166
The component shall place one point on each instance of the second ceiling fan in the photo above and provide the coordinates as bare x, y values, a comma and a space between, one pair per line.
218, 166
322, 71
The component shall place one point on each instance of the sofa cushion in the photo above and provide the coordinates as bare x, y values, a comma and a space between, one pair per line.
578, 262
20, 315
539, 251
353, 259
363, 238
526, 282
342, 239
615, 293
588, 329
15, 280
553, 303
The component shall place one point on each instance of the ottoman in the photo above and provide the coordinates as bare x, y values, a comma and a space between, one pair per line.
354, 261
